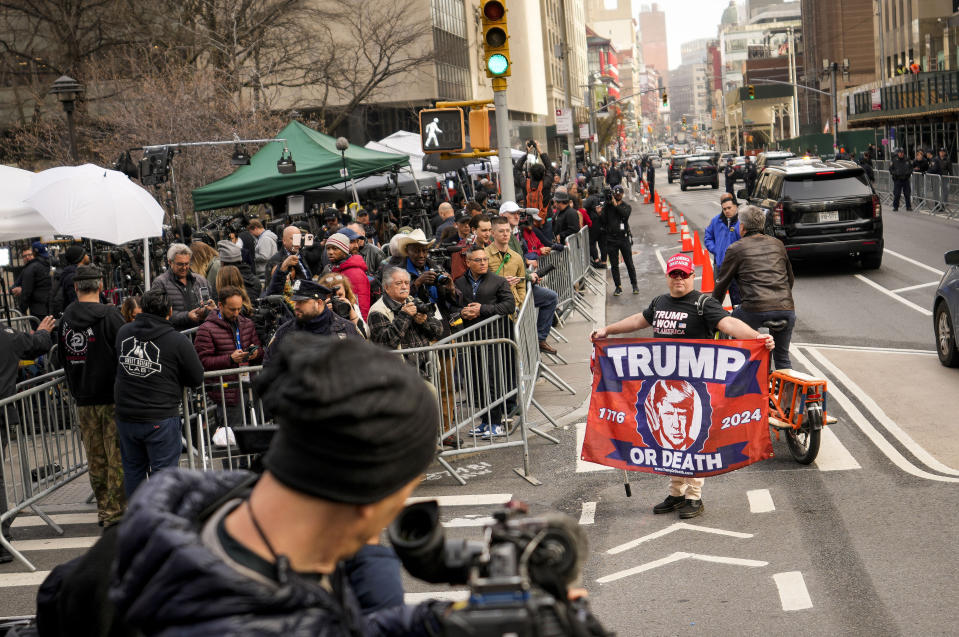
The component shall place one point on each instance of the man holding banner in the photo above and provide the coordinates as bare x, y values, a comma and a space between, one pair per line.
686, 410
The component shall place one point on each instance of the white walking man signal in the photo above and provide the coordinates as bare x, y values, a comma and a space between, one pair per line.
431, 129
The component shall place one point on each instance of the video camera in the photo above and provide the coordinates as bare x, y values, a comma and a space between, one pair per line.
444, 255
269, 313
518, 577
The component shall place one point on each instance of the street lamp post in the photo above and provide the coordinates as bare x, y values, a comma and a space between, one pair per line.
67, 91
342, 144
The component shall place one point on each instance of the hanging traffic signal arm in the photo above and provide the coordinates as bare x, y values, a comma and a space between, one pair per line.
495, 39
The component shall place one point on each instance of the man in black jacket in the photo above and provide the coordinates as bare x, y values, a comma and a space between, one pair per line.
567, 217
75, 256
14, 347
901, 172
613, 176
87, 352
34, 284
155, 364
597, 232
311, 315
616, 220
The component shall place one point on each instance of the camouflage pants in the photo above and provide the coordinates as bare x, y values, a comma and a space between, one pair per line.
98, 428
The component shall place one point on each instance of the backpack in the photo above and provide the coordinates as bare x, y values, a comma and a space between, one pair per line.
534, 196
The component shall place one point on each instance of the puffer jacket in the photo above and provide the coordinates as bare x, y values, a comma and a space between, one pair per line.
183, 298
214, 343
759, 265
167, 580
354, 269
37, 286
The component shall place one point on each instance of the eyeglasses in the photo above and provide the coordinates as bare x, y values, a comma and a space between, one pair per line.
677, 274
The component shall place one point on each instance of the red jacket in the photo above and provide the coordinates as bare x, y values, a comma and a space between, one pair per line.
215, 342
354, 269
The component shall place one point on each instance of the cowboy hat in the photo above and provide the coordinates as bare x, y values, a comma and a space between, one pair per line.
416, 236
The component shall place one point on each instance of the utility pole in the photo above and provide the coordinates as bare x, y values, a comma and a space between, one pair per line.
507, 187
567, 74
833, 67
593, 143
794, 103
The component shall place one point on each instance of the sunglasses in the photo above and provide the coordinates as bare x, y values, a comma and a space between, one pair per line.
677, 274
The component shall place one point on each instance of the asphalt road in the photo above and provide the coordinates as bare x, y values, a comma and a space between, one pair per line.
862, 542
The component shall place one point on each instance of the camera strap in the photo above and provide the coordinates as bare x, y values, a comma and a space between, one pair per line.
282, 562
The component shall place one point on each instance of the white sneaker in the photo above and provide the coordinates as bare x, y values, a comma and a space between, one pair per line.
494, 430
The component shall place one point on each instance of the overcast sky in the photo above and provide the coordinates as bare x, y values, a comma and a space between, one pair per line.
688, 20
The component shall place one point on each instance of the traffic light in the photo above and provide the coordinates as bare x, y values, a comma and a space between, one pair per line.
752, 92
665, 99
495, 39
442, 130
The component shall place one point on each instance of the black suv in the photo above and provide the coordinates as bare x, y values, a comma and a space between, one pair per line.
698, 170
675, 167
821, 209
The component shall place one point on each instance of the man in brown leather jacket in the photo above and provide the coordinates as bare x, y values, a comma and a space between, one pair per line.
759, 265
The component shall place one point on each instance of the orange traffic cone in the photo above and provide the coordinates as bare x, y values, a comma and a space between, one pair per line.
708, 284
727, 303
672, 225
697, 250
664, 211
687, 243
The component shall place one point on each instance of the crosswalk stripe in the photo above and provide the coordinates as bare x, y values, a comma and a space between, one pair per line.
581, 465
12, 580
760, 501
465, 500
833, 455
55, 544
59, 518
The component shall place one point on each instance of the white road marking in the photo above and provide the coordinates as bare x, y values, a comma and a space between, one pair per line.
467, 521
59, 518
12, 580
677, 526
55, 544
907, 441
662, 262
588, 516
760, 501
448, 596
916, 287
893, 295
792, 590
877, 438
583, 466
676, 557
913, 261
465, 500
833, 455
864, 348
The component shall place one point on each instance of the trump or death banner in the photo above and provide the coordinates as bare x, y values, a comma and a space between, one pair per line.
678, 407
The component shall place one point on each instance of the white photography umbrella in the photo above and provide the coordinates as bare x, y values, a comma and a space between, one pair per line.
95, 203
17, 219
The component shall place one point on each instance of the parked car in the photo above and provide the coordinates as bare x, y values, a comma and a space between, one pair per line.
675, 166
821, 209
771, 158
945, 312
698, 170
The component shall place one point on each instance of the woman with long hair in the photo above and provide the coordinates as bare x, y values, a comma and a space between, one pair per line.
341, 287
205, 262
230, 275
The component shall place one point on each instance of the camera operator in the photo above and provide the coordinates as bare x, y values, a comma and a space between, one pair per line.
285, 554
597, 232
567, 217
187, 292
292, 246
311, 314
34, 286
363, 218
398, 320
265, 247
227, 339
619, 239
429, 283
331, 225
350, 265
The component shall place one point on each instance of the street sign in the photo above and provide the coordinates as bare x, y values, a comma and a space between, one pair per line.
564, 121
583, 131
442, 130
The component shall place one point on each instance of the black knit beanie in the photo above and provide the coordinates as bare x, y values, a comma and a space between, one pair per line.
356, 422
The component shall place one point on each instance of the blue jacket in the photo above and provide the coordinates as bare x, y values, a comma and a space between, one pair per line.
720, 235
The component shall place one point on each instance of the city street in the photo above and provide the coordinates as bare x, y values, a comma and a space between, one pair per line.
858, 543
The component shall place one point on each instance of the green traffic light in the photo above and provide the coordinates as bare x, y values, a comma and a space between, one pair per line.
497, 64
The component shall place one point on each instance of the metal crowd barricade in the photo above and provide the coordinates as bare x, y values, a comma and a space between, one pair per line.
41, 449
883, 186
23, 323
226, 400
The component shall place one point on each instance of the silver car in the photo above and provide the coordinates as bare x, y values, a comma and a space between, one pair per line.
945, 310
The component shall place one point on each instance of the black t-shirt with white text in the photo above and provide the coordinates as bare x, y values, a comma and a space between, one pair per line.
679, 317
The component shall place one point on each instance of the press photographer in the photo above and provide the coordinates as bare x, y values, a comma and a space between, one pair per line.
188, 293
400, 321
311, 314
429, 281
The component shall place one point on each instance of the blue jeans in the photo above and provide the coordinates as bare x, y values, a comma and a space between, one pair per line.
545, 301
146, 448
782, 338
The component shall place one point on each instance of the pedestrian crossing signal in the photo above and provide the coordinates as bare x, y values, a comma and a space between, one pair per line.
495, 39
442, 130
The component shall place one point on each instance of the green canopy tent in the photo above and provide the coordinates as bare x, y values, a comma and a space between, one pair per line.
318, 164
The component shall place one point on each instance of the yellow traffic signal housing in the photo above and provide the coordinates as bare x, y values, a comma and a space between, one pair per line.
442, 130
752, 92
665, 99
495, 39
479, 127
